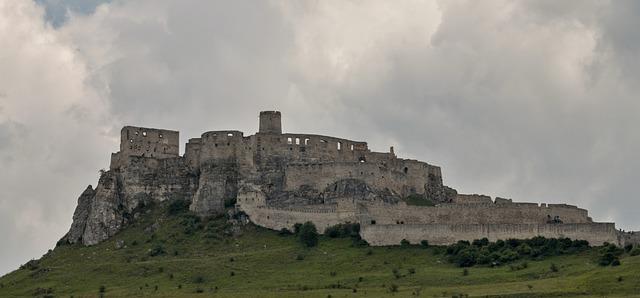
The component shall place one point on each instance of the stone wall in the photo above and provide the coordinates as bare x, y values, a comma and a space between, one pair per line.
476, 213
279, 218
443, 234
149, 142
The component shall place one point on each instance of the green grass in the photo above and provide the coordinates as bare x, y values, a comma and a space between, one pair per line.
265, 264
417, 200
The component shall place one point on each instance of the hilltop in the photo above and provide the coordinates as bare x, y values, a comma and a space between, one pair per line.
171, 253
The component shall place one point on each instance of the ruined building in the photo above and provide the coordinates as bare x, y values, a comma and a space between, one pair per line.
280, 179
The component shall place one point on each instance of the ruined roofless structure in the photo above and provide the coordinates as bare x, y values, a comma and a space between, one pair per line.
280, 179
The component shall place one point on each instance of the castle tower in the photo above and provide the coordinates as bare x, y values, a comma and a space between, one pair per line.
270, 122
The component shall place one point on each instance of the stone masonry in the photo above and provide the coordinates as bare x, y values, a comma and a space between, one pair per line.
280, 179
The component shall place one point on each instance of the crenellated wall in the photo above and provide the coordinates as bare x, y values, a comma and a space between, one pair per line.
444, 234
476, 213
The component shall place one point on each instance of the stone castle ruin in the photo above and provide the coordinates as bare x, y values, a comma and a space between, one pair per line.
280, 179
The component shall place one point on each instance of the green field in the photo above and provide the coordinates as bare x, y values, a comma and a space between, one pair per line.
205, 262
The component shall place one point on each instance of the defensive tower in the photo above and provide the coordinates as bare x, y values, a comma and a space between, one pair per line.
270, 122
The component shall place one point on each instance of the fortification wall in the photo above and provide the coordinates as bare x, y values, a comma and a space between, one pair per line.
277, 218
443, 234
402, 178
149, 142
472, 199
529, 213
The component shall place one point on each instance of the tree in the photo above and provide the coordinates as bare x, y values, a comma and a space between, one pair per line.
308, 234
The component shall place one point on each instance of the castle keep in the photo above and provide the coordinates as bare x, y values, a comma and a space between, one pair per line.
280, 179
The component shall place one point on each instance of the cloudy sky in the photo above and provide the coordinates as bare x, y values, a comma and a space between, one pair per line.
533, 100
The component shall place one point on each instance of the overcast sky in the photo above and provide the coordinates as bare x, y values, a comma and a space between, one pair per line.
536, 101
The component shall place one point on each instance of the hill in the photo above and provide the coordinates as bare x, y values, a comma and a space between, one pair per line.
168, 252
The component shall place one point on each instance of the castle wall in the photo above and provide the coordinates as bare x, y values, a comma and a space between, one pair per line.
279, 218
444, 234
472, 199
475, 213
149, 142
403, 178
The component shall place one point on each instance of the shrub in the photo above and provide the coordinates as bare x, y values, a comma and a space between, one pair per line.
284, 232
553, 267
628, 247
396, 273
393, 288
343, 231
177, 206
191, 223
465, 272
635, 251
424, 243
466, 258
480, 242
615, 262
230, 202
405, 243
296, 228
198, 279
157, 250
308, 235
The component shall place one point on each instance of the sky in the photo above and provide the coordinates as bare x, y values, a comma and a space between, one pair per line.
531, 100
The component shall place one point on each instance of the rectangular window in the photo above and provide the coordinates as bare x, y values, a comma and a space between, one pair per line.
289, 141
297, 141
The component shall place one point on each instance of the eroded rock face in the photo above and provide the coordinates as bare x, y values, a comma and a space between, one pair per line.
80, 216
106, 211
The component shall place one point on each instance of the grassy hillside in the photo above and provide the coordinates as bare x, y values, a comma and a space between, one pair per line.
180, 257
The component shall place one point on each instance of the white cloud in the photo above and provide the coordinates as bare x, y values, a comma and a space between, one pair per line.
52, 129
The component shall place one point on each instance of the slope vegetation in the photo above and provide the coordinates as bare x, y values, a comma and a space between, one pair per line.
168, 252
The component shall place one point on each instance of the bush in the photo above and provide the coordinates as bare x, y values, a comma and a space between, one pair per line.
393, 288
424, 243
466, 257
191, 223
405, 243
198, 279
553, 267
615, 262
157, 250
635, 251
480, 242
609, 254
230, 202
343, 231
308, 235
177, 206
465, 272
296, 228
284, 232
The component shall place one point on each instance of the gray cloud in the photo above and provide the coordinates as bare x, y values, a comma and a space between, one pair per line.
533, 100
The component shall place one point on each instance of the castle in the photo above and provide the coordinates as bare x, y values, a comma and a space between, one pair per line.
279, 179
